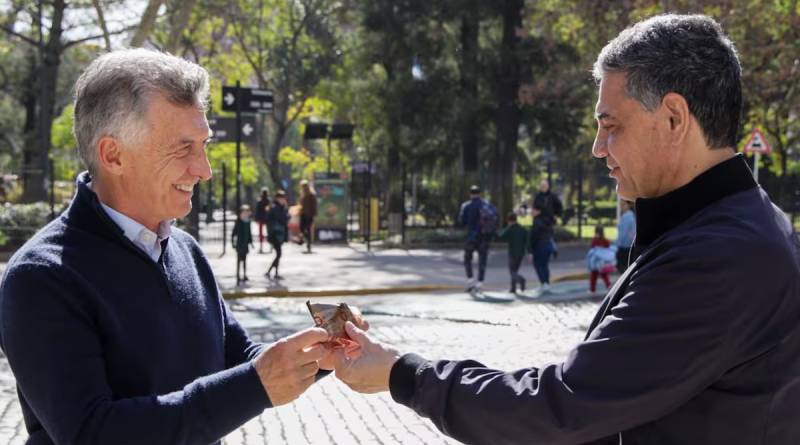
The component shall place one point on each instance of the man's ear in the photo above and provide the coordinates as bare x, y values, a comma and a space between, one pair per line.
677, 110
109, 153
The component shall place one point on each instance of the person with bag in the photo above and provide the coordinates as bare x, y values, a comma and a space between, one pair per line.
480, 219
277, 230
261, 217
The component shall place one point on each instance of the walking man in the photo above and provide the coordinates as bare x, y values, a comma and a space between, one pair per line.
476, 216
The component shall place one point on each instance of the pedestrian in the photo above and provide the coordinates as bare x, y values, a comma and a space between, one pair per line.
112, 320
278, 230
517, 238
480, 219
540, 246
699, 340
549, 207
626, 232
242, 239
308, 211
261, 217
601, 259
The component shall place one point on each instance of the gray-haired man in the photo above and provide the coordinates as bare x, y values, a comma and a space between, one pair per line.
111, 318
699, 341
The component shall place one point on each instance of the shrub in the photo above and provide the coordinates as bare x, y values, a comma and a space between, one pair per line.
18, 222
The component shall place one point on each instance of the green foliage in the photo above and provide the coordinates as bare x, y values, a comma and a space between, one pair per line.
18, 222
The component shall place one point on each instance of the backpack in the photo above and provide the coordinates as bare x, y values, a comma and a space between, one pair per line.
488, 218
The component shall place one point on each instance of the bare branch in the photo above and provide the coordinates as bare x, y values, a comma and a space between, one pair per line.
24, 38
97, 36
148, 19
101, 20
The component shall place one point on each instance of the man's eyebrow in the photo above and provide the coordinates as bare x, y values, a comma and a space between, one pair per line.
603, 115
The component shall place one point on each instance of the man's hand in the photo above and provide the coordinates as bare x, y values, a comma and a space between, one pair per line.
365, 368
329, 361
288, 366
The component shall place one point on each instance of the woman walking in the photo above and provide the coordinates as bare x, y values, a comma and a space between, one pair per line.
277, 229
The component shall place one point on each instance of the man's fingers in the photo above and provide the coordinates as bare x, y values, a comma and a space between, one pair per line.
307, 337
314, 353
309, 370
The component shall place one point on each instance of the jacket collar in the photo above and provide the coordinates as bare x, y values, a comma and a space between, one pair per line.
656, 216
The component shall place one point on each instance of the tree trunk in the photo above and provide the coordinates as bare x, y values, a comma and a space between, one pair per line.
38, 147
101, 20
470, 28
508, 113
184, 13
146, 24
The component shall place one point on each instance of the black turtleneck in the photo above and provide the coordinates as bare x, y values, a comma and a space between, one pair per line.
656, 216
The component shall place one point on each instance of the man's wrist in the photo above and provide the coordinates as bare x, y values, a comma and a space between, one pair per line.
402, 377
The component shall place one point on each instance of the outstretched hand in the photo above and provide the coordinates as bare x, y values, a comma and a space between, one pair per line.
366, 366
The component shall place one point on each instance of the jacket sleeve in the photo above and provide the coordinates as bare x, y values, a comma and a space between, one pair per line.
662, 344
50, 336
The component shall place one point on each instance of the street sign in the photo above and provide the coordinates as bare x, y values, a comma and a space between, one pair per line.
254, 100
224, 129
757, 143
316, 131
342, 131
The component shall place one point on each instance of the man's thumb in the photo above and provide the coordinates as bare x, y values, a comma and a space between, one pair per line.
355, 333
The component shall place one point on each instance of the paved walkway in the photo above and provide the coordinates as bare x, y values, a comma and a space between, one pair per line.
353, 268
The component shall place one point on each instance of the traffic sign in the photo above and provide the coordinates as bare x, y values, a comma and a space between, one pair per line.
253, 100
757, 143
224, 129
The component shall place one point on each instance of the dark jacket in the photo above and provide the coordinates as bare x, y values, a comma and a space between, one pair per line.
277, 223
541, 232
550, 206
108, 346
517, 238
308, 206
698, 342
469, 216
242, 236
260, 214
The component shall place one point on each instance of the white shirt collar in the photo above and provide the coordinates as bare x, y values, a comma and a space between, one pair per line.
140, 235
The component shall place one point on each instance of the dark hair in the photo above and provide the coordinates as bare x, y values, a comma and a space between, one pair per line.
598, 231
685, 54
512, 216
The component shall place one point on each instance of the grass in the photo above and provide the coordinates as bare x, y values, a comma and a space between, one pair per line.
610, 231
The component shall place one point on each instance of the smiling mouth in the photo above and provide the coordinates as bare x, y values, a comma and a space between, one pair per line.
184, 187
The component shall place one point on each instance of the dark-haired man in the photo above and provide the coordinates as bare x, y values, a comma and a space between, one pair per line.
699, 341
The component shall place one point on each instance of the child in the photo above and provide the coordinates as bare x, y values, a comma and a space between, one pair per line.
242, 239
517, 239
601, 259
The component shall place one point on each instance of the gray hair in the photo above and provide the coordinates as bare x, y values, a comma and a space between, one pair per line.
112, 94
685, 54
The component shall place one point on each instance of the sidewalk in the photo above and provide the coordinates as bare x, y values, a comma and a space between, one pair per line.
352, 270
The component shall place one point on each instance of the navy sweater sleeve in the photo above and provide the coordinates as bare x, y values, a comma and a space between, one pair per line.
673, 333
51, 339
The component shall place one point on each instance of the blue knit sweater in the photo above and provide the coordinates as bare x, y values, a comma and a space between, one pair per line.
109, 347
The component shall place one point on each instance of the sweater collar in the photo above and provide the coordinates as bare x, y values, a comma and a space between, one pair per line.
656, 216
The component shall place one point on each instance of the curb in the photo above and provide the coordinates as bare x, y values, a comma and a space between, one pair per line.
234, 294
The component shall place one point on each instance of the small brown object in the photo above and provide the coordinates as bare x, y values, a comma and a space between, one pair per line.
332, 318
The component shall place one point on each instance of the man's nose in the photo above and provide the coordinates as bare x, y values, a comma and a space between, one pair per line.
201, 167
599, 148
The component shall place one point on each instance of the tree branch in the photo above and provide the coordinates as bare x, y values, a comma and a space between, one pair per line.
98, 36
24, 38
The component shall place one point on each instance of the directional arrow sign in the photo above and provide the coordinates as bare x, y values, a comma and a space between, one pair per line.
224, 129
253, 100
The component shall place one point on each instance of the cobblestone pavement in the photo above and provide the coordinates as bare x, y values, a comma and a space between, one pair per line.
503, 335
